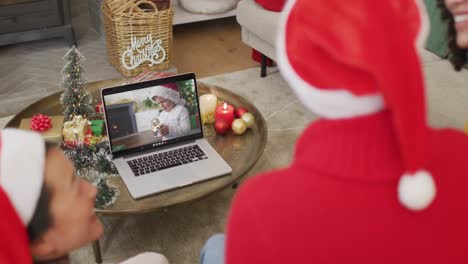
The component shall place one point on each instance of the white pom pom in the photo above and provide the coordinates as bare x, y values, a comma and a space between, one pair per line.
416, 191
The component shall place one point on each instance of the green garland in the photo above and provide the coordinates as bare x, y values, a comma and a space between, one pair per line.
93, 163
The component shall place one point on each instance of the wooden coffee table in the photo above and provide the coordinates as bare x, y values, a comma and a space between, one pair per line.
240, 152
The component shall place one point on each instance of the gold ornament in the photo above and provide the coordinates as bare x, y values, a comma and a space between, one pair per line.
93, 140
249, 119
239, 126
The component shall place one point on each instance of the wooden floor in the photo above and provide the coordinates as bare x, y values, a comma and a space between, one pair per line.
211, 48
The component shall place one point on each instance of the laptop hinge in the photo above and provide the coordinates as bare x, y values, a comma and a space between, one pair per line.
155, 149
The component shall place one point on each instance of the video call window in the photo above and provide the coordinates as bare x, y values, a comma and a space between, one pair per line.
152, 115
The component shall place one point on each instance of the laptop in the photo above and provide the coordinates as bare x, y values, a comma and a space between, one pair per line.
156, 136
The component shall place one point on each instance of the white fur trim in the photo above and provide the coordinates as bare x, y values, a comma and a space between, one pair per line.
416, 191
333, 104
165, 92
147, 257
425, 26
423, 33
22, 163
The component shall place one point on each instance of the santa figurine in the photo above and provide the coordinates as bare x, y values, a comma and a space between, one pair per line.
370, 182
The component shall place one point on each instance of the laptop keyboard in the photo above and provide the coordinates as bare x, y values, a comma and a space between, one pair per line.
166, 160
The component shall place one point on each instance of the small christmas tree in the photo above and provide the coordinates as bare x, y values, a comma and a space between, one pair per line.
74, 99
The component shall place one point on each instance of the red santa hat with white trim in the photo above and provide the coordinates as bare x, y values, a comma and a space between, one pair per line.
168, 91
22, 164
347, 60
22, 161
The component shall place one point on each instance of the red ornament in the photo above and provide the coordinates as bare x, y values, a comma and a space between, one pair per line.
40, 122
221, 126
240, 111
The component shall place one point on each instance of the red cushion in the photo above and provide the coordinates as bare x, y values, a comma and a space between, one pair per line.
272, 5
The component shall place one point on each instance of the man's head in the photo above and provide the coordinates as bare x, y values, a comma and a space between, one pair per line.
60, 215
166, 104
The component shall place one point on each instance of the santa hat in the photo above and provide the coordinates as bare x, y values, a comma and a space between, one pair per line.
14, 242
168, 91
22, 161
351, 60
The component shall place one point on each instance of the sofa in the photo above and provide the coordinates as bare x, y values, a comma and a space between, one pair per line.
259, 28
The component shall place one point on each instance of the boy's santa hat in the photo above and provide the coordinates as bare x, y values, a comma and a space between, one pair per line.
167, 91
347, 60
22, 164
14, 242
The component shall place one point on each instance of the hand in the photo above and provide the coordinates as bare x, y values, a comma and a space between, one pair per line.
163, 130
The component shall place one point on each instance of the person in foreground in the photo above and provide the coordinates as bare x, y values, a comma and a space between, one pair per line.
50, 210
370, 182
455, 12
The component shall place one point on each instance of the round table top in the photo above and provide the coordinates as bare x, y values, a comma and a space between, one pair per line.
240, 152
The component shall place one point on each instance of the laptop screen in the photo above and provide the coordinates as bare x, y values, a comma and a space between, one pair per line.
152, 114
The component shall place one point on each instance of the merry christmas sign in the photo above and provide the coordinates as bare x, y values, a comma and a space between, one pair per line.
143, 49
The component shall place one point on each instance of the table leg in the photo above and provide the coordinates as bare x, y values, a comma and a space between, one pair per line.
97, 251
263, 66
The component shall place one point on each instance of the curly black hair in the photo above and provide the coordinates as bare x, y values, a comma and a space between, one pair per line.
457, 55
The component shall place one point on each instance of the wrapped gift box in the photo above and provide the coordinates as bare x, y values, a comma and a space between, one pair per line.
53, 134
97, 126
75, 129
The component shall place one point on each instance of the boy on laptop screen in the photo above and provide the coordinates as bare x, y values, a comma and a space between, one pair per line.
152, 115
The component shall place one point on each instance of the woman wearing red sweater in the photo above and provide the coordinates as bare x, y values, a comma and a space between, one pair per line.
370, 181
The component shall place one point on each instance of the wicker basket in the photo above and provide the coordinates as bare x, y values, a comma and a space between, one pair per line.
138, 36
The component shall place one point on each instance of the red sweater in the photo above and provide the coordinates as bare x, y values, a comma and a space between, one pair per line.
337, 202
